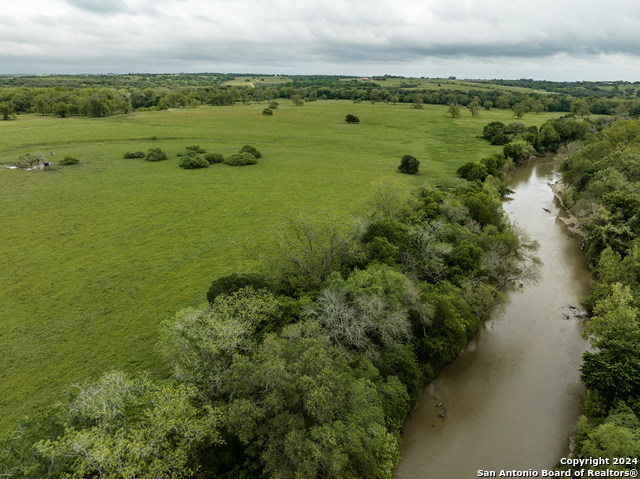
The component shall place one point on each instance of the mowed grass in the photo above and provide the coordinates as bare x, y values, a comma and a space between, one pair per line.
93, 257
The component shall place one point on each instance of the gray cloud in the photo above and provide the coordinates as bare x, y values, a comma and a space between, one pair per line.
461, 37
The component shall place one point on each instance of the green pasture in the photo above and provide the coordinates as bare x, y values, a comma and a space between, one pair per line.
258, 80
94, 256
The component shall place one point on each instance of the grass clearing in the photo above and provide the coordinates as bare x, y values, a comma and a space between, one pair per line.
95, 255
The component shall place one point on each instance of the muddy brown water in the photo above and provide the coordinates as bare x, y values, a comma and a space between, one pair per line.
513, 397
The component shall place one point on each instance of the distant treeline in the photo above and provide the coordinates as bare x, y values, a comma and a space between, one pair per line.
578, 89
107, 95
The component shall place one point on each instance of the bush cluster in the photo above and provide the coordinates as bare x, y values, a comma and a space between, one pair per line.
156, 154
193, 162
214, 158
252, 150
352, 119
240, 159
134, 154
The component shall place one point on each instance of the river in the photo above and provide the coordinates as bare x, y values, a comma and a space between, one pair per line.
513, 397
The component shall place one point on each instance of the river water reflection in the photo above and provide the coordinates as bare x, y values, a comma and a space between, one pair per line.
514, 395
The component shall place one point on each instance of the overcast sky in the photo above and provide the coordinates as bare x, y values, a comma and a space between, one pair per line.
541, 39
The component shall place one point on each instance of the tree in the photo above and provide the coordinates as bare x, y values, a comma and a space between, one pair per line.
200, 343
580, 108
473, 170
487, 105
297, 100
417, 101
474, 106
614, 368
7, 111
352, 119
614, 309
267, 112
409, 164
306, 414
454, 109
40, 104
389, 198
518, 150
507, 262
122, 427
538, 106
61, 109
365, 313
302, 248
519, 109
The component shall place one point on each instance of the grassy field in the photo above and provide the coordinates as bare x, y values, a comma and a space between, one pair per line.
94, 256
258, 80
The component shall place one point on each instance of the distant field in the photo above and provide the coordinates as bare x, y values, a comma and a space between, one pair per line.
461, 85
94, 256
258, 80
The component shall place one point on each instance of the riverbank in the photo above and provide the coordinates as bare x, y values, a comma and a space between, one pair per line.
513, 396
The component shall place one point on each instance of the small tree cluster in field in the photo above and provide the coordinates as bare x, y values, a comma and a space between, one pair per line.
69, 160
214, 158
156, 154
134, 154
352, 119
251, 149
409, 164
193, 162
267, 112
240, 159
191, 151
273, 105
196, 149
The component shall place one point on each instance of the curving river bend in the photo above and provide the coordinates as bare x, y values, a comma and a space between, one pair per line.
514, 395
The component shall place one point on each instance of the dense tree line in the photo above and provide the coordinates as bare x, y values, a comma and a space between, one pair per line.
110, 94
307, 367
601, 174
578, 89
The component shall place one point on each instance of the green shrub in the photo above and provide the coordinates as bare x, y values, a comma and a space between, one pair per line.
240, 159
267, 112
196, 149
134, 154
69, 160
252, 150
273, 105
190, 153
352, 119
156, 154
409, 164
214, 158
193, 162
